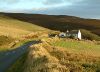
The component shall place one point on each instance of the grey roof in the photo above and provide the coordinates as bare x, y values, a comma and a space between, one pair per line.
73, 32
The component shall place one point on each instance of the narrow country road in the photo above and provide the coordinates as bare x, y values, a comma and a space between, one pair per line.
8, 58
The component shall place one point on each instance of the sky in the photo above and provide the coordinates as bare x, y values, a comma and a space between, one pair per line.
80, 8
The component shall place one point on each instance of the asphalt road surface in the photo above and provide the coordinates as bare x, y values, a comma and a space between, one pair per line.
8, 58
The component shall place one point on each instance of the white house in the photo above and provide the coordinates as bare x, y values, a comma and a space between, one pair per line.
62, 34
79, 35
72, 34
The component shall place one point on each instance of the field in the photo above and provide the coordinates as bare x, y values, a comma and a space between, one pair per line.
61, 55
16, 28
12, 30
87, 47
57, 57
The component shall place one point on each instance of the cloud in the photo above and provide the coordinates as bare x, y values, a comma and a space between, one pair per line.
82, 8
85, 8
51, 2
92, 2
9, 1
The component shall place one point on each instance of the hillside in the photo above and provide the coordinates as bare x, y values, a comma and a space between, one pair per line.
60, 22
15, 28
43, 58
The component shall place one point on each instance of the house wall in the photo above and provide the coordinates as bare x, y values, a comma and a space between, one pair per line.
68, 35
79, 35
62, 35
74, 35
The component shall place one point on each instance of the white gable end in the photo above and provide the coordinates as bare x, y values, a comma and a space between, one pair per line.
79, 35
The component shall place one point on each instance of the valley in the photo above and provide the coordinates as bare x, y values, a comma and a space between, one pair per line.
52, 54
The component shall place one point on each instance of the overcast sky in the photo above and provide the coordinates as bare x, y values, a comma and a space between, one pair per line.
80, 8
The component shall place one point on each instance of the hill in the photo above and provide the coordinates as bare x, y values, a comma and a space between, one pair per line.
15, 28
59, 22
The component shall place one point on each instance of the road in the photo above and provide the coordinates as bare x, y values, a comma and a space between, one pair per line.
8, 58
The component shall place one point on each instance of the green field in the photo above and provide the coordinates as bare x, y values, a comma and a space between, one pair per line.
86, 47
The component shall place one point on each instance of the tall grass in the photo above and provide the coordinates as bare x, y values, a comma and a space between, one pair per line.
46, 58
4, 42
9, 43
18, 66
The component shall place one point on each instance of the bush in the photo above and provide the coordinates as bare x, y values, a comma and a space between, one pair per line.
5, 40
53, 33
87, 65
18, 66
72, 37
89, 35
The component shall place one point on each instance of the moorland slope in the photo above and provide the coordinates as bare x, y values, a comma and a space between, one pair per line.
58, 22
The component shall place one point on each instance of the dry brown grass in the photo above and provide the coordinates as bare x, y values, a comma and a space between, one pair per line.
14, 32
45, 58
39, 34
39, 60
16, 28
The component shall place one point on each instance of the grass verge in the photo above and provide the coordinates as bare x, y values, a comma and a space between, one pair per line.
18, 66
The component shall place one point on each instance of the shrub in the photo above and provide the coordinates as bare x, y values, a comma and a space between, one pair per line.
5, 40
87, 65
72, 37
18, 65
89, 35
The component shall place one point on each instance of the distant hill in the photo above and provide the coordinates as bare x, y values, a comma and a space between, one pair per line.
60, 22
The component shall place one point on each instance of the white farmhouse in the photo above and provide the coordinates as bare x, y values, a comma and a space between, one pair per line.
62, 35
76, 34
79, 35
